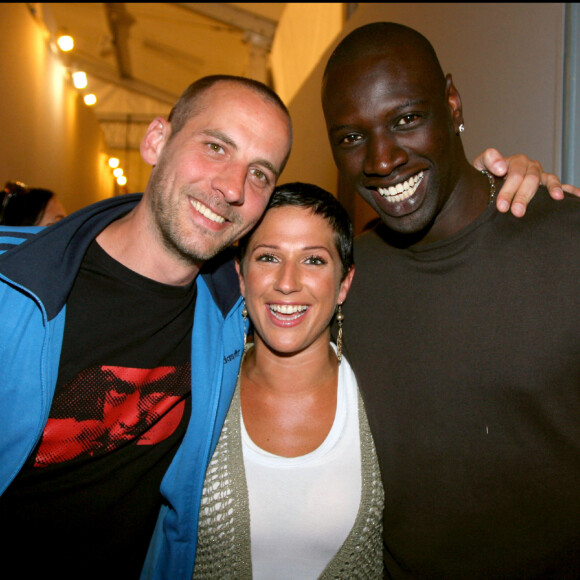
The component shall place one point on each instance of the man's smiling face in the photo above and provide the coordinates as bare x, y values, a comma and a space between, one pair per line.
391, 132
212, 179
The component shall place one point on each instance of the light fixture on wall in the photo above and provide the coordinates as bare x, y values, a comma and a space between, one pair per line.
90, 99
80, 79
118, 173
65, 42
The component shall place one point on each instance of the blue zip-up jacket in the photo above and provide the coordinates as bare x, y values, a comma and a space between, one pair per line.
36, 276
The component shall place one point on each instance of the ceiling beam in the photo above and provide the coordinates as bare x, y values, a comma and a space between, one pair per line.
110, 75
236, 17
120, 21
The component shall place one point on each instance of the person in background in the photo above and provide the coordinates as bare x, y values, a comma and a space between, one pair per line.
293, 489
24, 206
461, 326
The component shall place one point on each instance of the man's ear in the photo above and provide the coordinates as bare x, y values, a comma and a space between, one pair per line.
154, 141
454, 102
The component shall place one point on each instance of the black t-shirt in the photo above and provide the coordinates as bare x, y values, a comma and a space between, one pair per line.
467, 353
86, 502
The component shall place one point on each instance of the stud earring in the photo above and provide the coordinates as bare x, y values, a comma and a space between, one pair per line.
461, 128
339, 319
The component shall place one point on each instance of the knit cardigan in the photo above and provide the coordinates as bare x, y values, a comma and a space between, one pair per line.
224, 546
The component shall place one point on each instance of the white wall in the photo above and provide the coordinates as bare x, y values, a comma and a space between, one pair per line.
50, 138
304, 32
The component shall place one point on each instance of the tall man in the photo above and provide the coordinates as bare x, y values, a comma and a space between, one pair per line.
461, 325
118, 340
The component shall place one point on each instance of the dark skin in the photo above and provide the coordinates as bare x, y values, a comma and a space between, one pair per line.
391, 117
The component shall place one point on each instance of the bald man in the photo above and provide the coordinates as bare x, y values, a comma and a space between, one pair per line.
461, 326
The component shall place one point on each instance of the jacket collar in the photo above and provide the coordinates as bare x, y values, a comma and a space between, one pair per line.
48, 262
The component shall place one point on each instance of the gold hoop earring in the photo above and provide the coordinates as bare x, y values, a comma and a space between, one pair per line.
339, 319
245, 323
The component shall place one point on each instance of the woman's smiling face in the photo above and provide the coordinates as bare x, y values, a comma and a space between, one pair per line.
290, 278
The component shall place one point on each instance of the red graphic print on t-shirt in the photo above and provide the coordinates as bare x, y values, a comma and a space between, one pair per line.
104, 408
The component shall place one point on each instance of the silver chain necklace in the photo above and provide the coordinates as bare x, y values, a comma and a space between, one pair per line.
491, 186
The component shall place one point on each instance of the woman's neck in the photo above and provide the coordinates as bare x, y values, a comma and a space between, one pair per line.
293, 373
289, 402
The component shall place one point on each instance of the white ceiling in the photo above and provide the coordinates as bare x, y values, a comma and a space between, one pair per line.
139, 57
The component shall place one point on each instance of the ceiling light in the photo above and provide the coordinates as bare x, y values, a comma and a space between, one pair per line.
80, 79
65, 42
118, 172
90, 99
122, 180
113, 162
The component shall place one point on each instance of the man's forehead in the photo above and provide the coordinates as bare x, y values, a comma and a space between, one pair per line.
233, 93
375, 78
393, 65
243, 103
239, 125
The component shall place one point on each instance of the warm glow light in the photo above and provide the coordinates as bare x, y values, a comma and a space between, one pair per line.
113, 162
80, 79
118, 172
90, 99
65, 42
122, 180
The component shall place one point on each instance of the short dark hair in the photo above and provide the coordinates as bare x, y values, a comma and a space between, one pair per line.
320, 202
187, 105
379, 38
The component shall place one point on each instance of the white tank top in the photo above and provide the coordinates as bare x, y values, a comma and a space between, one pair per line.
303, 508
